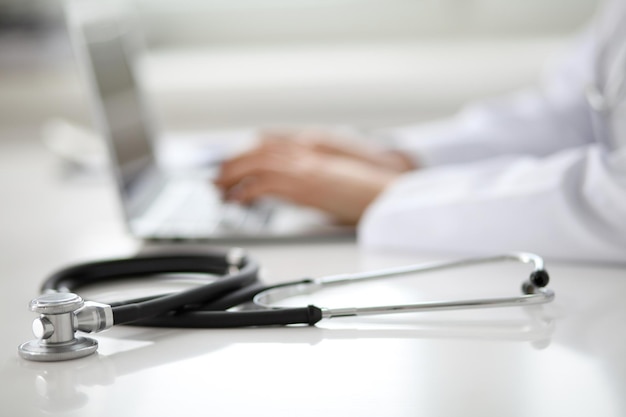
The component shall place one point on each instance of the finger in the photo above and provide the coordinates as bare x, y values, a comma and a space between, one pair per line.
285, 164
330, 143
264, 185
330, 148
253, 164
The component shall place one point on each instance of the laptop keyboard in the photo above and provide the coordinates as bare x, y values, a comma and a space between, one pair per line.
194, 209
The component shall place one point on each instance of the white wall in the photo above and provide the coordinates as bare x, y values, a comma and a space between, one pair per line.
366, 62
294, 21
229, 63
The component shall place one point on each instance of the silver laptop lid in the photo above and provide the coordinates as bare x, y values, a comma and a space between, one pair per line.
107, 46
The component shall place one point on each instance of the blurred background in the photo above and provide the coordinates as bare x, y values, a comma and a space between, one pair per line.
213, 64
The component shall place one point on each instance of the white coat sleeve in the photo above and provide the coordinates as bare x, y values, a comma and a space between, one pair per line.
568, 206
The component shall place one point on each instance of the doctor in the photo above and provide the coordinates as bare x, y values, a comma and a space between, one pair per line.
542, 171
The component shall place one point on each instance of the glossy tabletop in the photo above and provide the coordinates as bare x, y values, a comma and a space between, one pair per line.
566, 358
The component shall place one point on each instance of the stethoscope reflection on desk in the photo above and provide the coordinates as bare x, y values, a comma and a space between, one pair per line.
63, 388
223, 302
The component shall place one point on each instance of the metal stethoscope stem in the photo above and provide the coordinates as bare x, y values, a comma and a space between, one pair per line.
533, 288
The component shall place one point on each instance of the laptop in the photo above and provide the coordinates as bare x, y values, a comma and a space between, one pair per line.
160, 203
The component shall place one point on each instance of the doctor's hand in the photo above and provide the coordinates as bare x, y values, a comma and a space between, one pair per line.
336, 143
340, 185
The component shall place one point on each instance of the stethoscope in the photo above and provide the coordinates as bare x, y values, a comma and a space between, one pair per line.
233, 297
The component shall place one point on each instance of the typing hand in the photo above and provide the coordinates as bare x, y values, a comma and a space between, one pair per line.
340, 144
340, 185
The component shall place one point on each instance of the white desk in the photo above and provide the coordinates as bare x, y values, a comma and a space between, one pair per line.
563, 359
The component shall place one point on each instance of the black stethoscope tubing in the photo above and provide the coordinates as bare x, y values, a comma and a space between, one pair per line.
235, 283
203, 306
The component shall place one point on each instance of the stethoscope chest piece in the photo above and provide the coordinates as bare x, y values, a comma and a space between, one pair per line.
55, 329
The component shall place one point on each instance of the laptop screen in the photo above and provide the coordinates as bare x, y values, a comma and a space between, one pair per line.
122, 111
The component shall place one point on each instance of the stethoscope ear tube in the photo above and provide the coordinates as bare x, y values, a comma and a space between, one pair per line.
533, 289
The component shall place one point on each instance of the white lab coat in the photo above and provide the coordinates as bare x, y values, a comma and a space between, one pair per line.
533, 172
